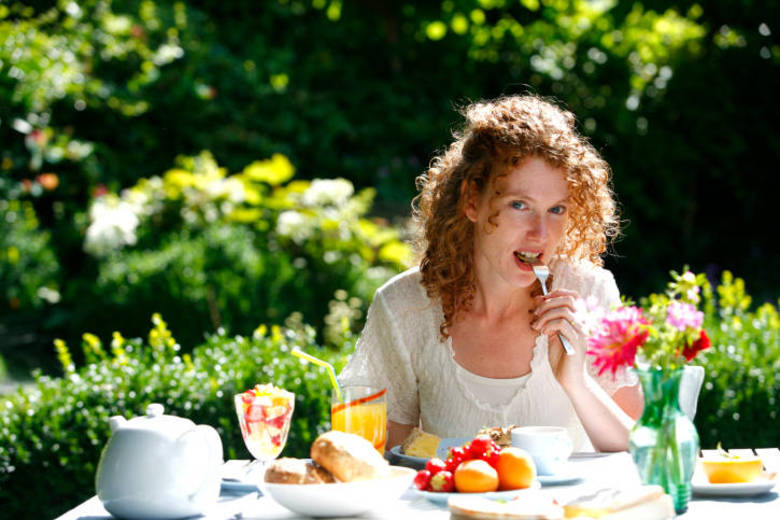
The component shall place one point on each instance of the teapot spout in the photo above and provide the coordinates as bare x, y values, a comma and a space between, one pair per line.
116, 422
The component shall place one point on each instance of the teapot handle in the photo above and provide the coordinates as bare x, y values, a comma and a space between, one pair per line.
214, 447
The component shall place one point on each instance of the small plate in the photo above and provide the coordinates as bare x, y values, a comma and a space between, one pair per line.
341, 498
407, 460
763, 484
237, 486
565, 476
441, 498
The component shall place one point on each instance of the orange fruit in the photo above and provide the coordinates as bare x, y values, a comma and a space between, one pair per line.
475, 476
516, 469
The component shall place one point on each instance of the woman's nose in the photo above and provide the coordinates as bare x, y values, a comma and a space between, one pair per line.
538, 227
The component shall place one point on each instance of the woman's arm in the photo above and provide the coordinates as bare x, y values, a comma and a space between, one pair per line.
396, 433
606, 420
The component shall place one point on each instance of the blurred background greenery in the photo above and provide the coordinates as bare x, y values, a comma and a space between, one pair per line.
231, 163
98, 95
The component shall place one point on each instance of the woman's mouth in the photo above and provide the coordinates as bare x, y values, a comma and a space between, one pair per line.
528, 257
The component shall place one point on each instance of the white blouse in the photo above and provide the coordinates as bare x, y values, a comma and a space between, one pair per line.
400, 349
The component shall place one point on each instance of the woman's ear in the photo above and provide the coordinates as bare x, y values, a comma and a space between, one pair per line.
469, 194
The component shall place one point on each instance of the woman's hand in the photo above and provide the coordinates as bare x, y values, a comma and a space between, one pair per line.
555, 313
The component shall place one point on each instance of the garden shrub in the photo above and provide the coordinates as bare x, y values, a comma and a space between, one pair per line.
204, 246
51, 436
738, 401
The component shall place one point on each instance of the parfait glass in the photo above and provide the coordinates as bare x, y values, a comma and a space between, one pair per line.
264, 415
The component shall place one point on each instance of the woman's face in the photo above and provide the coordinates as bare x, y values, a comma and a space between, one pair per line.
532, 213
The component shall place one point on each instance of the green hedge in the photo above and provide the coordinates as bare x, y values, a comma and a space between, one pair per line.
51, 436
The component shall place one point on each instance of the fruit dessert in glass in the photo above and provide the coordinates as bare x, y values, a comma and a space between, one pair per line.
264, 414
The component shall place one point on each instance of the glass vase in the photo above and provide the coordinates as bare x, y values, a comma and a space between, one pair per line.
664, 442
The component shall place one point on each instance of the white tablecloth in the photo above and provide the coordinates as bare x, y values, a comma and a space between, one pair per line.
614, 470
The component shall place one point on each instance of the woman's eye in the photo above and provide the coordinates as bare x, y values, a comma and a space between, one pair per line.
516, 204
558, 210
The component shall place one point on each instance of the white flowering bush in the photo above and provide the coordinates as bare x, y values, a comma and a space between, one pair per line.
206, 246
113, 223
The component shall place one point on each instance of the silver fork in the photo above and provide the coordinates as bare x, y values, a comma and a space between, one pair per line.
542, 272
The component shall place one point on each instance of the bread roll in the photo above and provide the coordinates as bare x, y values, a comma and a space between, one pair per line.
296, 471
348, 457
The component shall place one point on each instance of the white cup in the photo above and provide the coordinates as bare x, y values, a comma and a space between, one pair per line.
550, 446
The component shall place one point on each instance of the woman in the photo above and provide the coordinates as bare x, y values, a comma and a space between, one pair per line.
465, 340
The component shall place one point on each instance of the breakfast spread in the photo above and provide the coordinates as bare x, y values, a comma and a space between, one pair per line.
336, 457
638, 503
478, 466
420, 444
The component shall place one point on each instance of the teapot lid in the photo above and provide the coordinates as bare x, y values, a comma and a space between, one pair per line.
156, 421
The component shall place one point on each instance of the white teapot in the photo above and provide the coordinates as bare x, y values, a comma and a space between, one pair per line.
159, 466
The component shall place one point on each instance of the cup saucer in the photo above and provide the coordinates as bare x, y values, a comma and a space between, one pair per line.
566, 475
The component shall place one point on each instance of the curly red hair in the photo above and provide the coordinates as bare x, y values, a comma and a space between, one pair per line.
498, 134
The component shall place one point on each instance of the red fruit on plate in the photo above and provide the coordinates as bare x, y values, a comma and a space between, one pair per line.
422, 479
492, 457
455, 457
443, 482
435, 465
479, 445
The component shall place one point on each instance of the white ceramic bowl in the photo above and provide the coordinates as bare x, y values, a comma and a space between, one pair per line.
343, 498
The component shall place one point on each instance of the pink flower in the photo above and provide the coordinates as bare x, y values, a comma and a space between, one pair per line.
683, 315
615, 342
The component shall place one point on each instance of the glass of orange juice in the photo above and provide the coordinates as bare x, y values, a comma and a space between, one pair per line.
363, 412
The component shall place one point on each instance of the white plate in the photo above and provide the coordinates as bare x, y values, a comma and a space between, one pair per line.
763, 484
343, 498
441, 498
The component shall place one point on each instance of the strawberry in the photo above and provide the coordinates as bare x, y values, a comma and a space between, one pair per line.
422, 479
435, 465
443, 482
254, 413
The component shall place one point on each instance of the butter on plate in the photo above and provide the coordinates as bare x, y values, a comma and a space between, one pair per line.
420, 444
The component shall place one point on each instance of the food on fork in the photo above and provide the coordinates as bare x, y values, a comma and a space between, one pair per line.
420, 444
348, 457
637, 503
297, 471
